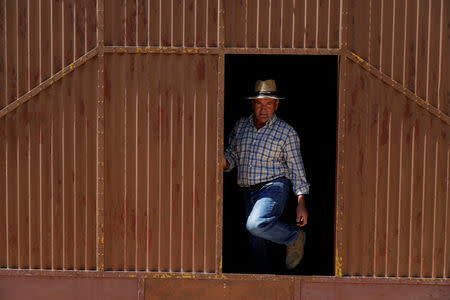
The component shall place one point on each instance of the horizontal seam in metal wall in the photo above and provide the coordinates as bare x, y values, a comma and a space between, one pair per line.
127, 49
47, 83
397, 86
244, 277
230, 50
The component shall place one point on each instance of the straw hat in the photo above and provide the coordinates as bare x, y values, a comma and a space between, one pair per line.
265, 89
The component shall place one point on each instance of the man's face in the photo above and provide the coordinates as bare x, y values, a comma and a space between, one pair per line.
264, 109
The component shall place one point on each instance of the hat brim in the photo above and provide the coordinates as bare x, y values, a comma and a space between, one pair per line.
264, 97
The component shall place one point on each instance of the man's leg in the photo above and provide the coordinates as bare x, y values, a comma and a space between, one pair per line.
269, 203
261, 258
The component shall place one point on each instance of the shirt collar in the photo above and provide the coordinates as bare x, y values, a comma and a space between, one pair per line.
268, 123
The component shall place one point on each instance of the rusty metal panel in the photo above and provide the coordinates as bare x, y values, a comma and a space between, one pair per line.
67, 288
161, 159
315, 290
34, 37
217, 289
395, 180
406, 40
281, 24
49, 191
189, 23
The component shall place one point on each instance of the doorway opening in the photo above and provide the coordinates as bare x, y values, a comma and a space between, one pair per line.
310, 85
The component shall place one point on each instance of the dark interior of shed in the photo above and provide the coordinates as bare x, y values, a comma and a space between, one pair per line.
309, 83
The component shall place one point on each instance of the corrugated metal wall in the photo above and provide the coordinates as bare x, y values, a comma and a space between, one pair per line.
408, 40
395, 191
282, 24
161, 200
48, 178
39, 38
161, 162
189, 23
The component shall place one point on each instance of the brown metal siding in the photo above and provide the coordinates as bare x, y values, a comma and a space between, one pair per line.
190, 23
282, 24
38, 38
162, 199
161, 160
395, 183
406, 40
48, 177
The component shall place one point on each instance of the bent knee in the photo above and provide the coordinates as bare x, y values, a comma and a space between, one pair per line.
257, 227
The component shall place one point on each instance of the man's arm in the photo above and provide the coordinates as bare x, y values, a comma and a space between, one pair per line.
302, 213
229, 158
297, 175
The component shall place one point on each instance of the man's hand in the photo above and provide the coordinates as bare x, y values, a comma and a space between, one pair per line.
225, 163
302, 213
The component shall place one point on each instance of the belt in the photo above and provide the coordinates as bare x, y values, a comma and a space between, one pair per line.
257, 186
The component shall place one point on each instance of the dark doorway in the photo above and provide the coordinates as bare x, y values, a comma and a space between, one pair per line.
309, 84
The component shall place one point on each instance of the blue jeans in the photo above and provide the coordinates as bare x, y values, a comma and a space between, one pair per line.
264, 204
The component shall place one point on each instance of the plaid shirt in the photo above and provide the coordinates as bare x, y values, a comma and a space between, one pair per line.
262, 155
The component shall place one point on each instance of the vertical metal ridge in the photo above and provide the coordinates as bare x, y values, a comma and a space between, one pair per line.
257, 23
404, 44
207, 24
416, 79
433, 263
317, 24
399, 199
74, 165
195, 22
171, 187
147, 227
63, 180
422, 233
159, 170
381, 34
18, 194
427, 86
269, 32
41, 231
393, 37
413, 154
194, 138
52, 186
246, 25
183, 43
305, 19
388, 195
182, 199
125, 167
377, 180
441, 65
446, 270
329, 26
171, 23
205, 170
136, 166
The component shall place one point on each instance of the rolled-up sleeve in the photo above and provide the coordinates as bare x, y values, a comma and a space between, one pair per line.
230, 152
295, 166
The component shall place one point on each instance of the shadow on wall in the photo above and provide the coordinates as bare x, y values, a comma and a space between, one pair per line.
309, 84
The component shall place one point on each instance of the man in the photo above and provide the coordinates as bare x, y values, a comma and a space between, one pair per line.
266, 152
